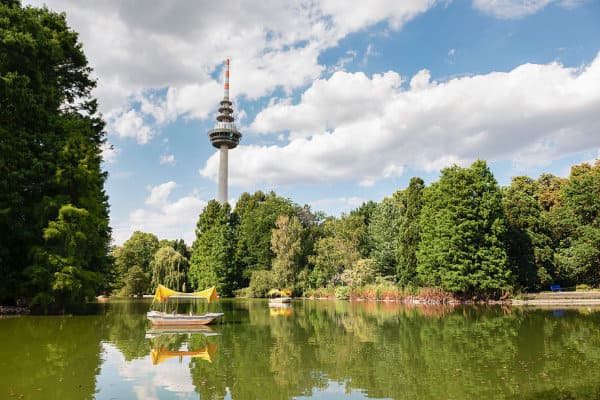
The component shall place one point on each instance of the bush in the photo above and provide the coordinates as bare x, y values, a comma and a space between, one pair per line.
361, 273
320, 293
342, 292
243, 292
583, 288
260, 283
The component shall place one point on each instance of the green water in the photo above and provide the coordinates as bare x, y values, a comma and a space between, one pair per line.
314, 350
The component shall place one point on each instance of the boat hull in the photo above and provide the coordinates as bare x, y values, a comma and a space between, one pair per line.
280, 300
165, 319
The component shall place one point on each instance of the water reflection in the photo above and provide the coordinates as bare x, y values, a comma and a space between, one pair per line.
321, 349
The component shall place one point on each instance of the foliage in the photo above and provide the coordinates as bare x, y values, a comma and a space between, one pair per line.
528, 241
257, 215
337, 249
383, 233
342, 292
286, 244
575, 225
137, 282
409, 235
462, 230
169, 268
212, 260
50, 147
362, 272
365, 212
139, 251
261, 282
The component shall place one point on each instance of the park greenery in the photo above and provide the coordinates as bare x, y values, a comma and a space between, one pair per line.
462, 235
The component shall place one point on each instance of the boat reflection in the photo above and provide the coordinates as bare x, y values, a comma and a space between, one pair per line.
179, 342
162, 353
181, 330
280, 309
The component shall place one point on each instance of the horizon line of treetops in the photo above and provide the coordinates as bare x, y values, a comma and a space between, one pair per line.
462, 234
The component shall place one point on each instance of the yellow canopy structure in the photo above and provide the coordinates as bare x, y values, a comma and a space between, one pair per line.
163, 293
277, 292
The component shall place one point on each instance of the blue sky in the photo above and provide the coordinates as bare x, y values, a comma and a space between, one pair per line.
337, 103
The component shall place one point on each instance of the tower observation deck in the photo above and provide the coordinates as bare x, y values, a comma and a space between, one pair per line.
224, 136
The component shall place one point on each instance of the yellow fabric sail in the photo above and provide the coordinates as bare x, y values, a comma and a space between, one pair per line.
163, 293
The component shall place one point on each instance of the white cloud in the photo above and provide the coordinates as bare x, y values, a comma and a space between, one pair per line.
167, 219
139, 47
167, 159
109, 152
130, 124
511, 9
159, 194
355, 127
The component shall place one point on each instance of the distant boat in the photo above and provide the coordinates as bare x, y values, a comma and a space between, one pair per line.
277, 296
165, 318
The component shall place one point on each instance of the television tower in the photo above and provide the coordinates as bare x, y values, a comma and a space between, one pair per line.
224, 136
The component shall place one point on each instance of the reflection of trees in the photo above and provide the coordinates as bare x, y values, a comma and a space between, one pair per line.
50, 357
126, 327
405, 352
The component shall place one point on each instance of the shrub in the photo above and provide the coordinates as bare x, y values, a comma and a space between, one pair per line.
342, 292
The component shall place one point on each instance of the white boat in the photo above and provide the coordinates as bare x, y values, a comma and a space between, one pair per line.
165, 318
277, 296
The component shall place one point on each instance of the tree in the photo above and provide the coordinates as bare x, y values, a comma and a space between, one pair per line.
137, 282
139, 251
383, 236
576, 226
169, 268
365, 212
337, 250
257, 216
286, 244
410, 232
212, 260
50, 147
528, 242
462, 247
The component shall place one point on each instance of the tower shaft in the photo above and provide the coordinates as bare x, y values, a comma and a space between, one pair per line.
223, 174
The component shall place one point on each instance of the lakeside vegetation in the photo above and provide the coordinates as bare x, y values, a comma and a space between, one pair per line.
462, 236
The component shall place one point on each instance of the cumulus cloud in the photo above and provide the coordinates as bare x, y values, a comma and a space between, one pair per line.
139, 47
130, 124
369, 128
511, 9
168, 219
109, 152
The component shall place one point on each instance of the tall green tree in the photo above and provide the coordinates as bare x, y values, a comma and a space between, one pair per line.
257, 215
529, 245
338, 249
138, 251
50, 150
410, 232
212, 261
462, 245
383, 234
576, 225
286, 244
366, 211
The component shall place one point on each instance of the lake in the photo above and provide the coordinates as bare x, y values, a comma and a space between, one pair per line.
313, 350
